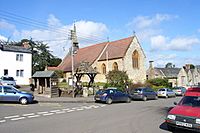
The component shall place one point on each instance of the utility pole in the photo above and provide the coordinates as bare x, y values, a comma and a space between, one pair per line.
74, 49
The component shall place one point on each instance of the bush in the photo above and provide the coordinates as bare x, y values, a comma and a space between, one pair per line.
117, 79
158, 82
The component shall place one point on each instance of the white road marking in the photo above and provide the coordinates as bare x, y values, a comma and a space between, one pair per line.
80, 109
65, 109
60, 112
2, 121
19, 118
42, 113
70, 111
53, 111
28, 114
48, 114
9, 117
102, 105
33, 116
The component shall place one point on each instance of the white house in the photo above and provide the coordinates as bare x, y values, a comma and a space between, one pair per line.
16, 62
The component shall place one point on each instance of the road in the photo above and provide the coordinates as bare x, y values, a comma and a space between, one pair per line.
134, 117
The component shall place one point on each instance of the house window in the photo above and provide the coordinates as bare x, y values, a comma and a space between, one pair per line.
20, 73
135, 59
19, 57
103, 67
5, 72
183, 80
115, 66
17, 73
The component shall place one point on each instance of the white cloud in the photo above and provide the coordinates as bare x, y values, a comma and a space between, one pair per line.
183, 43
142, 22
148, 26
160, 42
6, 26
160, 60
58, 33
3, 38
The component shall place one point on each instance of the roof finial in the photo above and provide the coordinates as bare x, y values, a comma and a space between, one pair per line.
133, 33
108, 39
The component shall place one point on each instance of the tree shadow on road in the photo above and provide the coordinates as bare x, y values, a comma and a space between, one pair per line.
163, 126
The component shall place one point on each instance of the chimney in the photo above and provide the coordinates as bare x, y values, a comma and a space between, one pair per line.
150, 64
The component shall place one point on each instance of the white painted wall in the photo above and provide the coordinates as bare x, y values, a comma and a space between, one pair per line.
8, 61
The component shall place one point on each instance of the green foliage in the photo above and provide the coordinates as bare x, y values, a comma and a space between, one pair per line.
55, 62
41, 55
117, 79
158, 82
59, 73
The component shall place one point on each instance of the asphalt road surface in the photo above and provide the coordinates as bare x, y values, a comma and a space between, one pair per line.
134, 117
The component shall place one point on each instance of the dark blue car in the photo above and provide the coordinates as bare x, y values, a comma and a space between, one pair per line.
111, 95
11, 94
143, 93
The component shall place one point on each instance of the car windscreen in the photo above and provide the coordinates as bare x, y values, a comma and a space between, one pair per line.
193, 101
162, 90
137, 90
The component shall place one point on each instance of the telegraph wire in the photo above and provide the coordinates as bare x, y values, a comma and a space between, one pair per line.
35, 23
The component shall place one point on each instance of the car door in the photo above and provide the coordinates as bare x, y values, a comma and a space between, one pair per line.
151, 93
10, 94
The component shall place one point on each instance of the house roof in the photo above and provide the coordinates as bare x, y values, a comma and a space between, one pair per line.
115, 49
43, 74
169, 72
12, 48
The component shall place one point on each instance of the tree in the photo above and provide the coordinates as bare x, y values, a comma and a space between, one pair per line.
169, 65
159, 82
41, 55
117, 79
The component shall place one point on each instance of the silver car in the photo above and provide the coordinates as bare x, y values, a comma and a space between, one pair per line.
7, 80
166, 92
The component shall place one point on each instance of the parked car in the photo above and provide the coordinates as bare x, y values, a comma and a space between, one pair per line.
166, 92
7, 80
143, 94
186, 114
11, 94
179, 91
111, 95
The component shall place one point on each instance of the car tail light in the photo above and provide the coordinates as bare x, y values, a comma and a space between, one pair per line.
105, 94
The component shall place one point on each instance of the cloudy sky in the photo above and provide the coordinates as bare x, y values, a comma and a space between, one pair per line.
169, 31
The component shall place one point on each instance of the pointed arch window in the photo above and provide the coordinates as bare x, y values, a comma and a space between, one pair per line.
103, 68
115, 66
135, 59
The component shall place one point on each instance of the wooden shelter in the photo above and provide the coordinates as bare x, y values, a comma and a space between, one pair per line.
46, 83
84, 69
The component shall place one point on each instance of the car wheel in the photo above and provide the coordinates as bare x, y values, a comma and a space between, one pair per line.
128, 100
156, 97
108, 100
144, 98
166, 96
23, 100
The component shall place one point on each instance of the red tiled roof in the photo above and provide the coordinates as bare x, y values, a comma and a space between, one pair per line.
116, 49
52, 68
88, 54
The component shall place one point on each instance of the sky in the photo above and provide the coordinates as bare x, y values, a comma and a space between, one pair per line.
168, 30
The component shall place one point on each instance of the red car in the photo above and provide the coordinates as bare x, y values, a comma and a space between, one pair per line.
186, 114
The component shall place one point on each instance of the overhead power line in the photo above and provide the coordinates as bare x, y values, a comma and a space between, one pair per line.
34, 23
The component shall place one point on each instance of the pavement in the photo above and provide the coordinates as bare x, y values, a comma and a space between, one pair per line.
78, 99
44, 99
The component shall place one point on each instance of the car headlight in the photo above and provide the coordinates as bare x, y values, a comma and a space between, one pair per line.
172, 117
198, 121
